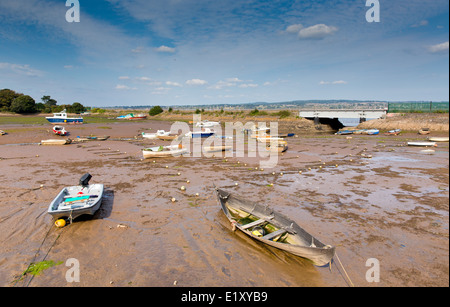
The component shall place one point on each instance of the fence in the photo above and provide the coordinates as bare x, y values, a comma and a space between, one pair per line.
418, 107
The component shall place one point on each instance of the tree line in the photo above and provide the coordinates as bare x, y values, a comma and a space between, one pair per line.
12, 101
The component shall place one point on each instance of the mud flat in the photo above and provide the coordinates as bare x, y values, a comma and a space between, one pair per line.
371, 196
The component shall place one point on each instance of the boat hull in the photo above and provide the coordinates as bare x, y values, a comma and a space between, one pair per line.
86, 203
301, 244
65, 120
168, 151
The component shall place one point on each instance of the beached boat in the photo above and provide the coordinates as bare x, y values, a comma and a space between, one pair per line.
422, 144
217, 148
59, 130
168, 137
268, 138
62, 118
393, 132
265, 225
344, 132
2, 132
154, 136
280, 146
164, 151
424, 131
371, 132
75, 201
56, 142
91, 138
204, 133
438, 139
207, 124
131, 116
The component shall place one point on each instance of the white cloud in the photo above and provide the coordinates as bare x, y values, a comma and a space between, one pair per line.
138, 50
24, 70
318, 31
196, 82
333, 82
294, 28
228, 82
165, 49
171, 83
439, 48
68, 66
124, 78
247, 85
124, 87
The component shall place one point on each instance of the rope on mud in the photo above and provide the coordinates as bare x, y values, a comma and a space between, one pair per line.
36, 254
345, 272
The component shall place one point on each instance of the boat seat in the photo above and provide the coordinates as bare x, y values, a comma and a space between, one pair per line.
274, 234
253, 224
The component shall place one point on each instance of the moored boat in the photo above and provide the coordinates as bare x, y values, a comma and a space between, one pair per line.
204, 133
438, 139
74, 201
62, 118
56, 142
207, 124
164, 151
154, 136
267, 226
393, 132
59, 130
168, 137
422, 144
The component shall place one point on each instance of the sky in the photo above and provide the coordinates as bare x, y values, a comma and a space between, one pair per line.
191, 52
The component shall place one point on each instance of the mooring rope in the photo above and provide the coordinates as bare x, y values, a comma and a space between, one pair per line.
345, 272
36, 254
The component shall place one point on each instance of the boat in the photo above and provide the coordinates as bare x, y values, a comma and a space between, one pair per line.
168, 137
207, 124
424, 131
371, 131
62, 118
204, 133
2, 132
438, 139
422, 144
217, 148
59, 130
280, 146
56, 142
267, 226
267, 139
393, 132
154, 136
344, 132
75, 201
131, 116
91, 138
164, 151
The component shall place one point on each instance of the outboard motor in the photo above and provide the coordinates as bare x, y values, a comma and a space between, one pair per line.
84, 181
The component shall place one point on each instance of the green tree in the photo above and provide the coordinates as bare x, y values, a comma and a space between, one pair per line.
7, 96
155, 111
23, 104
77, 108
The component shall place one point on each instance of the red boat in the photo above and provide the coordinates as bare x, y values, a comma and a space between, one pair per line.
59, 130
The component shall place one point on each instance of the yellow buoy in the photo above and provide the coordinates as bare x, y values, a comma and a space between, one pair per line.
60, 223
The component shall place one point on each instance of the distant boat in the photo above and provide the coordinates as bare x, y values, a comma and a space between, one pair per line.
371, 132
168, 137
217, 148
59, 130
344, 132
438, 139
154, 136
2, 132
164, 151
422, 144
393, 132
204, 133
75, 201
424, 131
56, 142
207, 124
62, 118
261, 223
131, 116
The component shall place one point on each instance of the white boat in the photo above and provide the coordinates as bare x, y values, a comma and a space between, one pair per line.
154, 136
280, 146
207, 124
2, 132
422, 144
62, 118
438, 139
204, 133
268, 139
217, 148
59, 130
56, 142
75, 201
164, 151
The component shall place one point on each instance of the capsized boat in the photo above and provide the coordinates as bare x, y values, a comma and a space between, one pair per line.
265, 225
56, 142
62, 118
59, 130
75, 201
154, 136
164, 151
438, 139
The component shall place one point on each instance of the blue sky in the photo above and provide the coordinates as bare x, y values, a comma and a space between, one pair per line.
177, 52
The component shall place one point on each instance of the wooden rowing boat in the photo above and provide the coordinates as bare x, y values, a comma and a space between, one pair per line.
75, 201
56, 142
438, 139
168, 137
265, 225
164, 151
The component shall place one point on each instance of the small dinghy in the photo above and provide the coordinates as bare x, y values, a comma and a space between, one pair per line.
265, 225
56, 142
164, 151
59, 130
75, 201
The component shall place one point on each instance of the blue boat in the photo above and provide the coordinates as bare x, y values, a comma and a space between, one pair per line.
204, 133
62, 118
